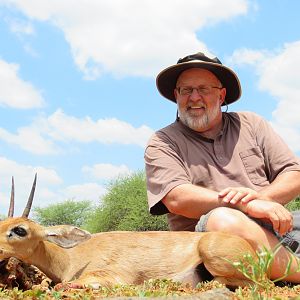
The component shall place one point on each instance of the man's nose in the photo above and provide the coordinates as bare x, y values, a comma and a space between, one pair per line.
195, 96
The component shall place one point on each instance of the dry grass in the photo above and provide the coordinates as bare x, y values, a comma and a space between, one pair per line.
153, 289
16, 273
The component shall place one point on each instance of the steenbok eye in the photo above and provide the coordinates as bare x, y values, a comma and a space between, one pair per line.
20, 231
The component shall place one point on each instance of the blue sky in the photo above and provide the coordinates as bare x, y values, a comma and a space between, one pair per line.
78, 100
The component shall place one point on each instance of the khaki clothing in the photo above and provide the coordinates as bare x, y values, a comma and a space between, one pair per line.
247, 152
290, 240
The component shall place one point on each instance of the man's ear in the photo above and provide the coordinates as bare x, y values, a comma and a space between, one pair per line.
175, 93
222, 95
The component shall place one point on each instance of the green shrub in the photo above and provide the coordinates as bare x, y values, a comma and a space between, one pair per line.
125, 207
68, 212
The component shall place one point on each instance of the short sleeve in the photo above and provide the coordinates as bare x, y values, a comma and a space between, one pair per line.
278, 157
165, 169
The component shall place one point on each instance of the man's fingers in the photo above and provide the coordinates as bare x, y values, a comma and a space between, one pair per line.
289, 221
275, 221
224, 192
282, 221
228, 198
249, 197
288, 224
234, 195
238, 197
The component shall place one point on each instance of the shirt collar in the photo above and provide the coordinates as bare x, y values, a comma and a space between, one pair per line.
197, 134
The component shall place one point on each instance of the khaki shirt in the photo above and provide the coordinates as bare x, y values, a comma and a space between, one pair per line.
247, 152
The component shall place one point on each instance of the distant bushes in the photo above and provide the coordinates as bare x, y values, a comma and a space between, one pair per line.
68, 212
124, 207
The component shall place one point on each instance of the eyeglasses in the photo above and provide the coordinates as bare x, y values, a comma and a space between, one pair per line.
202, 90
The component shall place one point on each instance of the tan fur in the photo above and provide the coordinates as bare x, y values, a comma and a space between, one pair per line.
125, 257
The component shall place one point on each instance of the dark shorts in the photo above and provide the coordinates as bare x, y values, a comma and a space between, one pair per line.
290, 240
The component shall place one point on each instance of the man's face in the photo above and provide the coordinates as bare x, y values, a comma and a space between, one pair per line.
199, 97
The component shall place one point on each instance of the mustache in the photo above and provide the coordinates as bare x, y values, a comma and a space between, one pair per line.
196, 105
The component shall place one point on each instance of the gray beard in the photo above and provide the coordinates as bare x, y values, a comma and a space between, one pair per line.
198, 123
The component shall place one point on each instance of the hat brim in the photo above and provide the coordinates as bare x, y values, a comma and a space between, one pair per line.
167, 78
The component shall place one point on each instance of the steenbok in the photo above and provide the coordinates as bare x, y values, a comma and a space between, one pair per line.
73, 257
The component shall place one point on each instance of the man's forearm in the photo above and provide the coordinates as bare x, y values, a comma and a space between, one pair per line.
283, 189
192, 201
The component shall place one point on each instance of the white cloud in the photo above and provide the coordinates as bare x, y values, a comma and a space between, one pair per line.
247, 56
31, 140
19, 26
46, 134
22, 29
23, 178
106, 171
48, 191
290, 134
107, 131
15, 92
25, 173
130, 37
278, 73
86, 191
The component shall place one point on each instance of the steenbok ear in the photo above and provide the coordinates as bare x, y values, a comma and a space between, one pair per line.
66, 236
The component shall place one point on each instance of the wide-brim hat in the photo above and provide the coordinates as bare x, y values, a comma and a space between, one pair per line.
167, 78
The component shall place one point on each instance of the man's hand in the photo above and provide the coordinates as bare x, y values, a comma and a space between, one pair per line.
273, 212
233, 195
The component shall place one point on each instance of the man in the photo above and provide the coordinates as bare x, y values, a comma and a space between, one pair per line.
217, 171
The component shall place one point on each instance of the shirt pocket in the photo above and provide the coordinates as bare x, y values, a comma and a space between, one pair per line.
254, 164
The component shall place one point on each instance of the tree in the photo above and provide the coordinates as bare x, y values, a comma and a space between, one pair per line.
68, 212
125, 207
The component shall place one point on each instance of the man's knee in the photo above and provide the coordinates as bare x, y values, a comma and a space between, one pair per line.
226, 219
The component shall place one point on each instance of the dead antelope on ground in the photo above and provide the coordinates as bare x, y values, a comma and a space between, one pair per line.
74, 258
